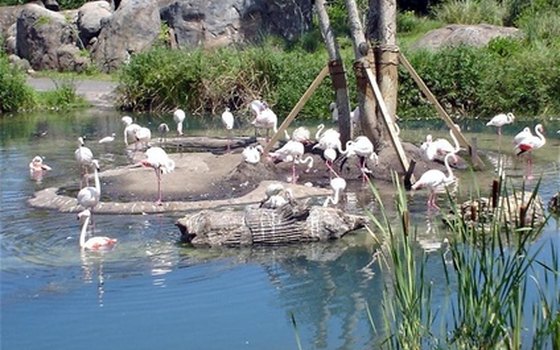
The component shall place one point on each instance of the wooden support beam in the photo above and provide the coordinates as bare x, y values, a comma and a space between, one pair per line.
477, 162
297, 108
389, 123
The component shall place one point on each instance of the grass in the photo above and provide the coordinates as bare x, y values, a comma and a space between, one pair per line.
488, 274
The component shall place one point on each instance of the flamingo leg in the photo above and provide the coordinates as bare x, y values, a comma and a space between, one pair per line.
158, 174
294, 172
328, 163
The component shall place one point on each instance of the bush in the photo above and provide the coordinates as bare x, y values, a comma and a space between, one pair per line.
471, 12
64, 97
14, 93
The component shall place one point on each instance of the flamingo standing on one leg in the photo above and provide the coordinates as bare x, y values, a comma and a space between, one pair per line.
436, 181
293, 152
179, 118
440, 146
143, 137
94, 243
84, 157
499, 121
528, 144
338, 185
228, 121
362, 147
330, 156
163, 130
264, 117
157, 159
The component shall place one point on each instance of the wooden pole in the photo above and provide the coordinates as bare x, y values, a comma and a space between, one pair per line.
388, 122
297, 108
477, 162
338, 76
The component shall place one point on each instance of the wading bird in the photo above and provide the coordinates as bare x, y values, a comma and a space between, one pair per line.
37, 168
179, 118
107, 139
361, 147
293, 152
338, 185
94, 243
500, 120
163, 130
228, 121
130, 128
436, 181
89, 196
441, 147
265, 118
252, 154
84, 157
528, 144
157, 159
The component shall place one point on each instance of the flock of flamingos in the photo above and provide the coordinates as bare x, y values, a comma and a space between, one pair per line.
434, 180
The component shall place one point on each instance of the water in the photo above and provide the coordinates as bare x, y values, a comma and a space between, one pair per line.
153, 292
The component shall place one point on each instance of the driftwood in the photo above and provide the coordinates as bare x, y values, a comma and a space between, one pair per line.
283, 225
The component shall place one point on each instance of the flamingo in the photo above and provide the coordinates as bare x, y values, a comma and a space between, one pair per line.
84, 157
293, 152
37, 164
264, 117
143, 136
89, 196
526, 132
107, 139
228, 120
338, 185
328, 139
179, 118
354, 115
529, 143
330, 156
163, 129
252, 154
94, 243
334, 111
500, 120
436, 181
300, 134
362, 147
157, 159
440, 146
130, 128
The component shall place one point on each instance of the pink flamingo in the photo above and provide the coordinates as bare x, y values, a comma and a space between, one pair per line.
84, 157
94, 243
436, 181
157, 159
527, 143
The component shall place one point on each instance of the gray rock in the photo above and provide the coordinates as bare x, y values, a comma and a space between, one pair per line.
20, 63
90, 17
133, 28
8, 17
71, 59
10, 42
459, 34
40, 33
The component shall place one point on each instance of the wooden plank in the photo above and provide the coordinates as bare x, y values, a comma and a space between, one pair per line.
297, 108
443, 114
388, 122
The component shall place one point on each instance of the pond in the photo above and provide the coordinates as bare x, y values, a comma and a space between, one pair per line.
153, 292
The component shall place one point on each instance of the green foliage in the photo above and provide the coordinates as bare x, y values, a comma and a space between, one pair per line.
64, 97
14, 93
471, 12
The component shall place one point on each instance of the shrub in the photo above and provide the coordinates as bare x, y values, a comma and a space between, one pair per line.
14, 93
64, 97
471, 12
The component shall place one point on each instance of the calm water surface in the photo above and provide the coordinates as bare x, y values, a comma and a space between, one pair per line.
153, 292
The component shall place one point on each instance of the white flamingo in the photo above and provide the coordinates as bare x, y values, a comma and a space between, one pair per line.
265, 118
300, 134
143, 137
94, 243
338, 185
179, 118
37, 168
523, 134
354, 115
157, 159
293, 152
440, 146
330, 138
163, 130
89, 196
330, 156
228, 121
436, 181
107, 139
130, 128
528, 144
362, 147
84, 157
500, 120
252, 154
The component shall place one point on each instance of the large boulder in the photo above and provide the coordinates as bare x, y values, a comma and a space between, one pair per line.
218, 23
459, 34
40, 35
90, 17
8, 16
133, 28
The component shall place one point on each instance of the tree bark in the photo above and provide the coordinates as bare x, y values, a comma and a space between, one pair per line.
337, 71
382, 30
371, 127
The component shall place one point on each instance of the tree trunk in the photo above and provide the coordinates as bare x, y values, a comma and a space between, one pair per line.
382, 29
371, 127
337, 72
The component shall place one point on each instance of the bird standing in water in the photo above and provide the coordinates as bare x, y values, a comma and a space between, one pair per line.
157, 159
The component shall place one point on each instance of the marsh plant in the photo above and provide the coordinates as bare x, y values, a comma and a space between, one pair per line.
501, 293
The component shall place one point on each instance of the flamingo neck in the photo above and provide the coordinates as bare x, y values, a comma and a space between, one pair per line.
539, 134
449, 176
320, 128
97, 183
455, 141
84, 232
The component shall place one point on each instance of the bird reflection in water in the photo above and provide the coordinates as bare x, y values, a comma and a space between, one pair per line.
92, 264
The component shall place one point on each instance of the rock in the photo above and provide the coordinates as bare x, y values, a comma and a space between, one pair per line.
8, 17
40, 34
133, 28
10, 43
70, 59
20, 63
90, 17
459, 34
263, 226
